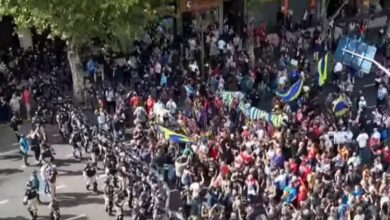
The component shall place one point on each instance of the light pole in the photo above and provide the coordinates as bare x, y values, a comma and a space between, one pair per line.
369, 59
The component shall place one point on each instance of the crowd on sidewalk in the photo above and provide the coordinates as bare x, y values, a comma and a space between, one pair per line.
323, 162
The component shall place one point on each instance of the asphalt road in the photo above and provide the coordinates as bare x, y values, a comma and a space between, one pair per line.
76, 203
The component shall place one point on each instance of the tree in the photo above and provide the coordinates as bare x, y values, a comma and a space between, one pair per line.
79, 21
325, 20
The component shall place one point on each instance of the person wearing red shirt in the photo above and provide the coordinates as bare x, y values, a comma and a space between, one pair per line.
134, 101
293, 166
302, 195
149, 105
245, 133
26, 97
386, 153
224, 169
213, 152
246, 158
304, 169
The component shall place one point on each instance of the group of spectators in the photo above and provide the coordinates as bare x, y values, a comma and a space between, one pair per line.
317, 165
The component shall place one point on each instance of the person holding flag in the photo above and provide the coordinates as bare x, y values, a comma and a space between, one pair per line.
322, 69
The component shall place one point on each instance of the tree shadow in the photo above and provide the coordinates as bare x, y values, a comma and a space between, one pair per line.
75, 199
10, 171
64, 217
13, 157
15, 218
70, 172
64, 162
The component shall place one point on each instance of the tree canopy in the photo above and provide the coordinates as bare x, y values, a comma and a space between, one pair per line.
79, 21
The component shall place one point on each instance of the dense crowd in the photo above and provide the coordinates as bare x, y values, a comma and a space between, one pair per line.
317, 165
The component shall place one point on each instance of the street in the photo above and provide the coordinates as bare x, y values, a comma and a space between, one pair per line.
76, 203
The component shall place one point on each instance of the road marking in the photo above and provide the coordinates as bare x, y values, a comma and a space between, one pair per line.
56, 135
4, 202
60, 186
23, 166
102, 176
69, 156
369, 85
77, 217
9, 152
15, 144
371, 106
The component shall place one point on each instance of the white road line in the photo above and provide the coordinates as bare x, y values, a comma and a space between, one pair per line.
56, 135
69, 156
9, 152
60, 186
23, 166
371, 106
15, 144
369, 85
102, 176
77, 217
2, 202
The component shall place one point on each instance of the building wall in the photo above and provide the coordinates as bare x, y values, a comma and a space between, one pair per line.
7, 37
266, 11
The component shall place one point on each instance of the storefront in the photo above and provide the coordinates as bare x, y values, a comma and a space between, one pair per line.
192, 12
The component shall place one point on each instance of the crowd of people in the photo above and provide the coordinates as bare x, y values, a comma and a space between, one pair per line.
317, 165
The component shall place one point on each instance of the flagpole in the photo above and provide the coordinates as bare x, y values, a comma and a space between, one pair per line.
369, 59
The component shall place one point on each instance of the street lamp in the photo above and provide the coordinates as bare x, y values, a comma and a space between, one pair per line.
369, 59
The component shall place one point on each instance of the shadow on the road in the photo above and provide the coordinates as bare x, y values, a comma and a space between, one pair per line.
15, 218
64, 162
75, 199
10, 171
13, 157
63, 217
70, 172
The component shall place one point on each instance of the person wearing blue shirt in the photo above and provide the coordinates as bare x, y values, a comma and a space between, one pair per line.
24, 148
91, 69
289, 194
35, 183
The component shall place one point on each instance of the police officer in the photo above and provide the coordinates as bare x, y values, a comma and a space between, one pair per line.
108, 195
118, 202
86, 137
95, 152
30, 200
54, 210
89, 174
75, 141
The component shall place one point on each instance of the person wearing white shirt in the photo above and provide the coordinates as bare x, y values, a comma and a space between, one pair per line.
221, 45
362, 103
171, 106
158, 106
157, 68
362, 139
354, 160
15, 104
376, 136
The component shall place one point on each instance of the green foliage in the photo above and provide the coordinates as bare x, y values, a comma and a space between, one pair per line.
79, 21
254, 5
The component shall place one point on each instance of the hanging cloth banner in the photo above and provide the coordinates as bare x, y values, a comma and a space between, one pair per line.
252, 113
292, 93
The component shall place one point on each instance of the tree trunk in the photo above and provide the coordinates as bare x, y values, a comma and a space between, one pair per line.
387, 30
324, 16
324, 19
77, 72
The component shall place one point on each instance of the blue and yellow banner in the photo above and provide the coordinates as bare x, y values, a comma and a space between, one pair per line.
341, 106
292, 93
173, 136
322, 69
